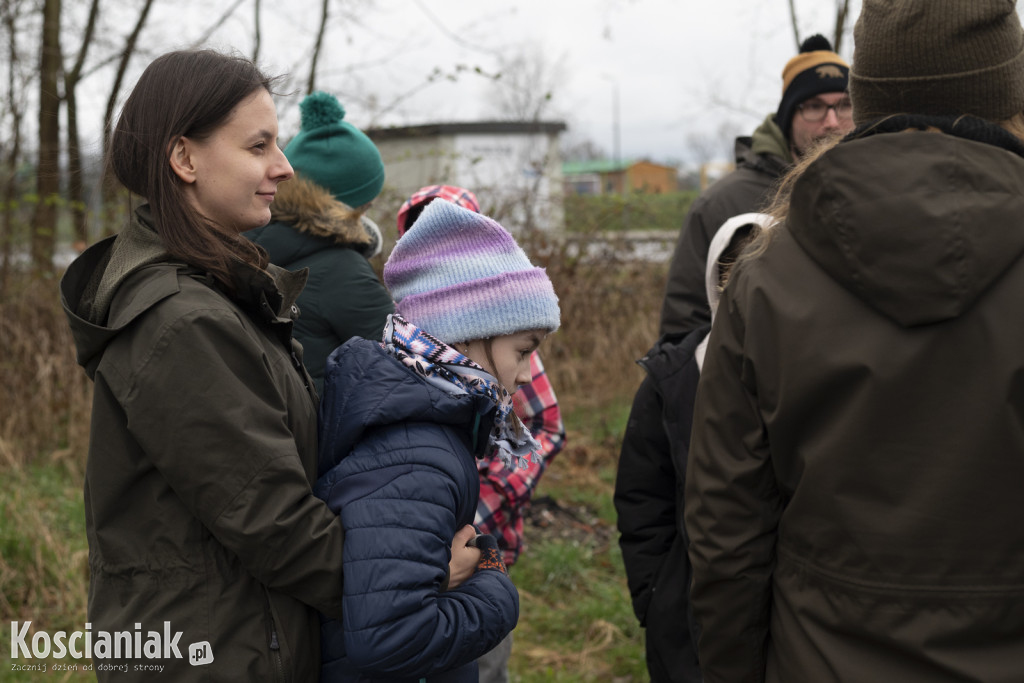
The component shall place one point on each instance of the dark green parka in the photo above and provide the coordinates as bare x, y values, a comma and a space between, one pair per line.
343, 298
853, 494
199, 509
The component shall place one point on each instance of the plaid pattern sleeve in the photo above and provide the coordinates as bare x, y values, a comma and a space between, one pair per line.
504, 492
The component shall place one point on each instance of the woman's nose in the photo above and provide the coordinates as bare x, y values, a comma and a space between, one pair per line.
282, 170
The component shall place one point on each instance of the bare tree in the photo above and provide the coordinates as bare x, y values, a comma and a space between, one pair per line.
72, 77
44, 220
122, 68
525, 85
581, 149
311, 86
212, 28
794, 24
256, 31
11, 12
839, 28
108, 116
842, 13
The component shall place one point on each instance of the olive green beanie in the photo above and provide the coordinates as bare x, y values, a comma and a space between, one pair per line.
937, 57
334, 154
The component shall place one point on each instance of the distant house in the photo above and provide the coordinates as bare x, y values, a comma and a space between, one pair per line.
617, 177
513, 167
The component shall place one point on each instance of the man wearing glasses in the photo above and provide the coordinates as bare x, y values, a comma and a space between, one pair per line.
814, 105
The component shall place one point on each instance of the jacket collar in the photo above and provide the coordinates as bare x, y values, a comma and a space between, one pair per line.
766, 151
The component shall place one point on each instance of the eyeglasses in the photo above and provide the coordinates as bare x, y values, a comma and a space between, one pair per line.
816, 110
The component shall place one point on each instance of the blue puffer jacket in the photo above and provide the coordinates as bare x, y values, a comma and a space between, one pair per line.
397, 463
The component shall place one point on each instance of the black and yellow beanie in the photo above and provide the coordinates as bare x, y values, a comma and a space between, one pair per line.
817, 69
932, 57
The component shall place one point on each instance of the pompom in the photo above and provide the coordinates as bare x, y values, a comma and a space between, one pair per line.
815, 43
320, 109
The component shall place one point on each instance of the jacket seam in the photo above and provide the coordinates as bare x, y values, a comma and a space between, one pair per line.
889, 586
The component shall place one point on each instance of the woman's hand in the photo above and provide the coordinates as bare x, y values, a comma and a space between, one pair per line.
464, 558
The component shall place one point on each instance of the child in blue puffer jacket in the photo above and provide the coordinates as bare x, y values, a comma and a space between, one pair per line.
402, 423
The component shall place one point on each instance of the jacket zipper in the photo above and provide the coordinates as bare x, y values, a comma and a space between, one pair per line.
275, 644
300, 368
275, 651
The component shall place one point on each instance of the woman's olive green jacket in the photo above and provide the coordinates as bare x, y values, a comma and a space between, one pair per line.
198, 501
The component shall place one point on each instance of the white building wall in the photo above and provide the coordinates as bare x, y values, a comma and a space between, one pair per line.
516, 176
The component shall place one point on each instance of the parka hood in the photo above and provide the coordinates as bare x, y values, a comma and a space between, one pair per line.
365, 388
92, 280
768, 139
917, 223
306, 218
136, 259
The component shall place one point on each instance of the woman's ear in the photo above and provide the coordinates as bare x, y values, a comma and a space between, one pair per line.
181, 160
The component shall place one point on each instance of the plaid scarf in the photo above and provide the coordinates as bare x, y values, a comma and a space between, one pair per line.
446, 368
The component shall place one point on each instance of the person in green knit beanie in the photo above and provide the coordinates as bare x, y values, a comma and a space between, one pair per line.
319, 222
334, 154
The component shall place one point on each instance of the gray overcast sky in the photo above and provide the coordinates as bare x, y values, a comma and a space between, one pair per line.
670, 61
681, 68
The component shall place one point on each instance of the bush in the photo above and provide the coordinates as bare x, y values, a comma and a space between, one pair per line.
634, 211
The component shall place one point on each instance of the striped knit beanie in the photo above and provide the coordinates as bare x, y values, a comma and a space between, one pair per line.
939, 58
460, 276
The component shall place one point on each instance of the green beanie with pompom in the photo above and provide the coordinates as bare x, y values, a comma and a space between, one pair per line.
334, 154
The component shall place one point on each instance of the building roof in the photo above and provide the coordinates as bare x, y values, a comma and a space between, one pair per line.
467, 128
594, 166
605, 166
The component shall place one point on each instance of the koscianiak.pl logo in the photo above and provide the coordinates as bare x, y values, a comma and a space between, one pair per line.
134, 650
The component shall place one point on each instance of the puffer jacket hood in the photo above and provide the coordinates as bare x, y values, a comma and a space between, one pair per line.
857, 208
306, 218
369, 389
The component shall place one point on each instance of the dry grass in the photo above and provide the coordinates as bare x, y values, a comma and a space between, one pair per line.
609, 319
610, 314
44, 393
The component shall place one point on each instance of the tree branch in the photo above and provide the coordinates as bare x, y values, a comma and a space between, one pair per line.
214, 26
316, 48
842, 11
796, 28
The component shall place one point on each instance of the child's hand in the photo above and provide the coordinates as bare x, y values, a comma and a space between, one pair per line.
490, 554
464, 558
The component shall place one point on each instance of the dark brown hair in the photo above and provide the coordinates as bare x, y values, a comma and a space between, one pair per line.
186, 93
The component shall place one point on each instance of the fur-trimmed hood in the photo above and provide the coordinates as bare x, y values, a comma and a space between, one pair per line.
309, 208
306, 218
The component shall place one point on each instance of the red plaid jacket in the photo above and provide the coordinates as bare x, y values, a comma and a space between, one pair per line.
503, 492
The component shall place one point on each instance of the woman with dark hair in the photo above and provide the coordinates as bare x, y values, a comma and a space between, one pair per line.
203, 529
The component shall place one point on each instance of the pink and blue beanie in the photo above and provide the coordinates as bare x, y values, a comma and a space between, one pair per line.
460, 276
